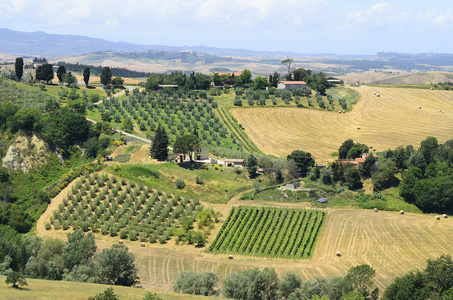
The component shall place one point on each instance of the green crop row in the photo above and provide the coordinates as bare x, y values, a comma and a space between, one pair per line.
271, 232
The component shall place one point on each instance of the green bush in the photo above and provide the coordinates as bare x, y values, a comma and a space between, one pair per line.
180, 184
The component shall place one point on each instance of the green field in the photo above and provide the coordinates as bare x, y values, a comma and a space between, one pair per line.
271, 232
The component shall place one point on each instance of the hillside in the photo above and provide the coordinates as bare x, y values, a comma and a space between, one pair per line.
397, 78
47, 289
391, 120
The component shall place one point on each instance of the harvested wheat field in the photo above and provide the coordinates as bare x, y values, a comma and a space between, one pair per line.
387, 121
391, 243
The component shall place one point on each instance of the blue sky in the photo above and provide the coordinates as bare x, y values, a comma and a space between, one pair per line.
304, 26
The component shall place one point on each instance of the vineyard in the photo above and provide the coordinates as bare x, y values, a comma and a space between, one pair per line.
178, 113
116, 206
268, 231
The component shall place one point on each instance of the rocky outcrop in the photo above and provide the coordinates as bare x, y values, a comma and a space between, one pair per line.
25, 153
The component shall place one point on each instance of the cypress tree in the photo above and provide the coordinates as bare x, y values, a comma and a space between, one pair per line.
159, 149
86, 76
19, 68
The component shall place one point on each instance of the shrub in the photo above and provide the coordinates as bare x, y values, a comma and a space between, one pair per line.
123, 234
180, 184
199, 179
48, 226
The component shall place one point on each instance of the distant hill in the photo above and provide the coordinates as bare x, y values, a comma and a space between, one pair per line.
43, 44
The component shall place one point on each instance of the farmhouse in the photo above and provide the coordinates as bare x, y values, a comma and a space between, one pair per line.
202, 153
357, 161
234, 162
290, 85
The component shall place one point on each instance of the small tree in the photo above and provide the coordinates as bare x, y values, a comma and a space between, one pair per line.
302, 159
16, 279
106, 76
252, 165
19, 68
117, 81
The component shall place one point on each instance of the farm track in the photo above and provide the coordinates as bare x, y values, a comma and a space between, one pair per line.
390, 120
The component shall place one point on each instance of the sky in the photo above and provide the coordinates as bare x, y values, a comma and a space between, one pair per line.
302, 26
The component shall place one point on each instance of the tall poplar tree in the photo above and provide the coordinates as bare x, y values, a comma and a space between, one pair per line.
159, 149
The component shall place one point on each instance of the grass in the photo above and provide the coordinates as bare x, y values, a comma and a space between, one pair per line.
337, 197
122, 158
219, 185
49, 289
386, 122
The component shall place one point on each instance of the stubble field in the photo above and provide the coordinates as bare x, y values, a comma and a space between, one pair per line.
387, 121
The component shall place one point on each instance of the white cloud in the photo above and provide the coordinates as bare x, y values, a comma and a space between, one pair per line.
444, 18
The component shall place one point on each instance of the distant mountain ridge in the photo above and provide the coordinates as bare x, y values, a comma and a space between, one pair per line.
44, 44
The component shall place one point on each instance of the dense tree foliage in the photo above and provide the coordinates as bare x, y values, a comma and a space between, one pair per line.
205, 284
302, 159
44, 72
434, 282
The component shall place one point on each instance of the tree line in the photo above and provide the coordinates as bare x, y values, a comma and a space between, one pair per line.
266, 284
28, 256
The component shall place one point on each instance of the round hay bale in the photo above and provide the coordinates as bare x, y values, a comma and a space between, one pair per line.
339, 111
432, 88
443, 111
371, 147
120, 242
439, 110
374, 149
344, 112
419, 107
358, 127
338, 253
437, 218
142, 244
445, 216
230, 256
375, 209
401, 212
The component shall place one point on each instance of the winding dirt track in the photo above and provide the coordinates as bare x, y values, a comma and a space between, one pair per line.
390, 120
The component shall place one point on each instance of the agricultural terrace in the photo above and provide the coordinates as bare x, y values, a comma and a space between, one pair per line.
179, 114
120, 207
267, 231
387, 121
